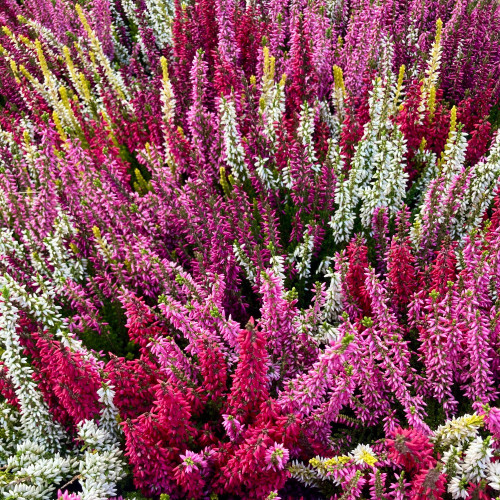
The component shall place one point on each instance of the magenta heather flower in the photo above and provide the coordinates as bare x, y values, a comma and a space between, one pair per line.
189, 473
232, 427
277, 457
192, 460
492, 422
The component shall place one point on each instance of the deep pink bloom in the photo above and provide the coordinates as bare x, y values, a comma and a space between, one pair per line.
277, 457
410, 449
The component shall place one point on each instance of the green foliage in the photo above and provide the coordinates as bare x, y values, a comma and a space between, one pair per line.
114, 338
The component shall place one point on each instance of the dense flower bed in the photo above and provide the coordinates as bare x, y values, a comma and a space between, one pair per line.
249, 249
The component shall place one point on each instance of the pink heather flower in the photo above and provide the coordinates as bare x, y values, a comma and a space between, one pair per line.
232, 427
67, 496
276, 457
492, 422
192, 461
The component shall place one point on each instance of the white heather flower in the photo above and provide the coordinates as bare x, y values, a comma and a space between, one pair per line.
102, 465
278, 266
386, 59
332, 120
333, 303
364, 454
109, 412
458, 430
388, 187
36, 472
342, 221
302, 254
374, 152
457, 487
92, 436
306, 474
452, 459
328, 333
160, 14
324, 266
477, 458
454, 157
265, 175
482, 190
306, 133
430, 172
235, 154
244, 261
493, 476
36, 420
9, 429
273, 106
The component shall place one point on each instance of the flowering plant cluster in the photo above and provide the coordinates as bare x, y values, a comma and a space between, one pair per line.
249, 249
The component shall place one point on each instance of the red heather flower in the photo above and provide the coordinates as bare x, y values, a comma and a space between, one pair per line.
480, 137
242, 470
6, 387
72, 379
183, 50
401, 272
434, 131
152, 462
141, 322
134, 383
303, 77
410, 449
213, 368
249, 32
154, 440
174, 414
444, 267
250, 382
428, 484
357, 116
477, 492
206, 25
357, 253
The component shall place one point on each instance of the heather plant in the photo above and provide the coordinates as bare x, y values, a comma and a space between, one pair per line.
249, 249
